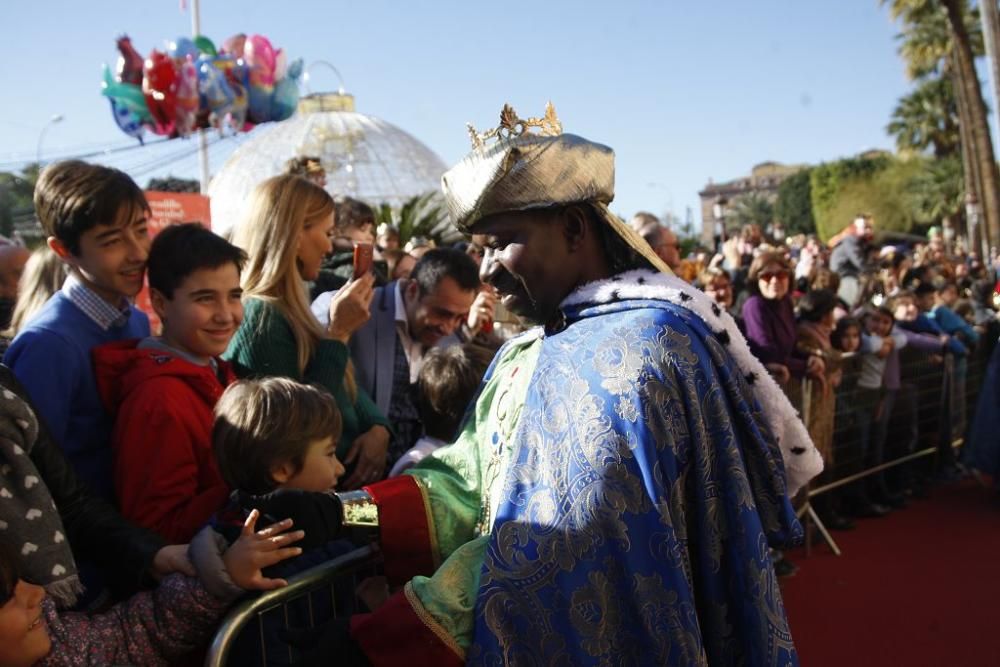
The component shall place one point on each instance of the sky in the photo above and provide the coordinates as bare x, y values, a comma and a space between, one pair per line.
684, 92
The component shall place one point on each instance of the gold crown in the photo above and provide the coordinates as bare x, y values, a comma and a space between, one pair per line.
511, 126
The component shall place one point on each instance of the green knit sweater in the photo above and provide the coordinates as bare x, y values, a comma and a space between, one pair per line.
264, 346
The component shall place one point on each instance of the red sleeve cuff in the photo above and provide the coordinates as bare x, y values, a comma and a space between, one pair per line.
396, 635
405, 529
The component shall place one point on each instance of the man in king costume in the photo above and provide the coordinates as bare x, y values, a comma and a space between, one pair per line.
615, 489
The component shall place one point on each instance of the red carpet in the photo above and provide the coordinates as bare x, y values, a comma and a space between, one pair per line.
918, 587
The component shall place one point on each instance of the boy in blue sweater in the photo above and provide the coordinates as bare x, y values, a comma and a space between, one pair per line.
95, 219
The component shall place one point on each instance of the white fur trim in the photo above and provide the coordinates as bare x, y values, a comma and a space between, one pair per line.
802, 459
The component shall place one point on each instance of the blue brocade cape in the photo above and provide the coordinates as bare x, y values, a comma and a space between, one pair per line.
644, 490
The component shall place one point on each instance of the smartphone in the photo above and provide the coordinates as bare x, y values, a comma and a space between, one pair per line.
362, 259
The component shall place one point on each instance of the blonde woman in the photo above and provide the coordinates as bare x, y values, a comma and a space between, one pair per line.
286, 235
43, 276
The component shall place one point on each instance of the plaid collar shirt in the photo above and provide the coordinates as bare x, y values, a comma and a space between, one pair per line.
97, 309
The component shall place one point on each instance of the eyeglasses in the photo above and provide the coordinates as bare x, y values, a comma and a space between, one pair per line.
768, 277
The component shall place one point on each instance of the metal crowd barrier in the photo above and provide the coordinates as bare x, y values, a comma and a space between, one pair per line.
335, 581
937, 401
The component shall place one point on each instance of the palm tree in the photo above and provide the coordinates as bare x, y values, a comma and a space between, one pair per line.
979, 128
942, 37
935, 192
927, 118
752, 209
424, 215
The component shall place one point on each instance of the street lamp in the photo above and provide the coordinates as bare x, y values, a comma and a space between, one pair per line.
57, 118
719, 224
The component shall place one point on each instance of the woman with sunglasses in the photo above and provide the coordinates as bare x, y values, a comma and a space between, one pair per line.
769, 319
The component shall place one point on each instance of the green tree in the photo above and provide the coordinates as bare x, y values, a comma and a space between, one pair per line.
794, 204
927, 119
826, 182
173, 184
16, 203
945, 36
883, 193
424, 215
752, 209
935, 193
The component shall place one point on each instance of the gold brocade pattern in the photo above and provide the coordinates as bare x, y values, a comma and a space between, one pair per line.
631, 462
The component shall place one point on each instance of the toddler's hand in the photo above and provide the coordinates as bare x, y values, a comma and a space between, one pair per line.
254, 551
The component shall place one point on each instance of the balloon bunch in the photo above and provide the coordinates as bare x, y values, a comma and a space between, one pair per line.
194, 85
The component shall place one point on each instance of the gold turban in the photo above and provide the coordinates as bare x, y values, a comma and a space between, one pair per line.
512, 168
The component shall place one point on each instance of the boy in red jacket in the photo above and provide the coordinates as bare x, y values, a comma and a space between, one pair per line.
162, 390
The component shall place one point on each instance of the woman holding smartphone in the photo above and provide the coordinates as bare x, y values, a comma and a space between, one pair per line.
286, 235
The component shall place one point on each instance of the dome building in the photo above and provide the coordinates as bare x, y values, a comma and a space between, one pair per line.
364, 157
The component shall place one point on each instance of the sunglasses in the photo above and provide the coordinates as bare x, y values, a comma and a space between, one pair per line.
768, 277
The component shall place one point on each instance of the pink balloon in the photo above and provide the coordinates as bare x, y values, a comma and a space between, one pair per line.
187, 97
260, 57
280, 65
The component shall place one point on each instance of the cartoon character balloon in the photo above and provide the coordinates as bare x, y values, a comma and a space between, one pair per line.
159, 85
192, 85
183, 47
188, 99
129, 68
215, 91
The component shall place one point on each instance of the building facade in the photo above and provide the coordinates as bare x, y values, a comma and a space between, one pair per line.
717, 198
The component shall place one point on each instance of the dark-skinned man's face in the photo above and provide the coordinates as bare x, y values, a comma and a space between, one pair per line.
527, 259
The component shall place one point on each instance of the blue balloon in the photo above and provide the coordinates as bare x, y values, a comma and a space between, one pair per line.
182, 48
295, 69
127, 121
285, 99
259, 103
215, 91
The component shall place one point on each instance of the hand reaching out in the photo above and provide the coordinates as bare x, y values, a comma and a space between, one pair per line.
254, 551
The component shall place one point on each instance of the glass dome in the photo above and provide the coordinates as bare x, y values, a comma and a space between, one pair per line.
365, 157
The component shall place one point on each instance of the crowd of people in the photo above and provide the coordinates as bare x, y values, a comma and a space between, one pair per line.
570, 453
878, 344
